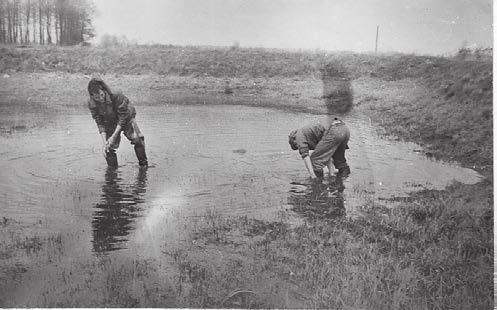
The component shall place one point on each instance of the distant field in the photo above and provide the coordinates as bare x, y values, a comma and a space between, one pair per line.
231, 62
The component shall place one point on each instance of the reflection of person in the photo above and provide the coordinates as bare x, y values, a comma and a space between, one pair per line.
329, 146
113, 217
337, 91
319, 200
113, 113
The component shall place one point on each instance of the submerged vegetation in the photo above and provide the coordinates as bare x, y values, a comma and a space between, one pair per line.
435, 250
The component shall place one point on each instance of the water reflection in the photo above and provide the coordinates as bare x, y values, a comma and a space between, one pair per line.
118, 206
318, 199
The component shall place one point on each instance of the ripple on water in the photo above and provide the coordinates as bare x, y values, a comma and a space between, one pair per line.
206, 158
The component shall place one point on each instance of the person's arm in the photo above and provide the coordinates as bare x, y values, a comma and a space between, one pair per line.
100, 124
96, 116
331, 168
303, 147
123, 115
124, 111
103, 135
114, 135
310, 169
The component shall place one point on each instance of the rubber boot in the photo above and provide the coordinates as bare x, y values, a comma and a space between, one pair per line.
111, 158
343, 172
140, 152
319, 173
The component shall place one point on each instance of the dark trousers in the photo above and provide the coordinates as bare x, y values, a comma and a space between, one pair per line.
134, 135
332, 145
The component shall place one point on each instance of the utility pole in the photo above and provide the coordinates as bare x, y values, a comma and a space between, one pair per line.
376, 45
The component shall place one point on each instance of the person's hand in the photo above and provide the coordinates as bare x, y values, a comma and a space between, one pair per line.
316, 181
105, 149
111, 141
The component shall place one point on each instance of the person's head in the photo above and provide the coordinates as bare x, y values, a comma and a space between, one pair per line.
96, 90
291, 140
98, 95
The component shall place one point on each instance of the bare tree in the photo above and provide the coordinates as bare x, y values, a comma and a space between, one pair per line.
64, 22
33, 22
10, 22
27, 14
15, 20
48, 17
41, 3
74, 21
3, 35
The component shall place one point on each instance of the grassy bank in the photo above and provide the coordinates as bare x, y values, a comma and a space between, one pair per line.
434, 251
234, 62
184, 61
450, 129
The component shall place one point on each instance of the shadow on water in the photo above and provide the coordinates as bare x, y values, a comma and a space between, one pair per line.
337, 90
118, 206
318, 200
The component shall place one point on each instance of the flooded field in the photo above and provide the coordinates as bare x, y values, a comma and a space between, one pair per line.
232, 160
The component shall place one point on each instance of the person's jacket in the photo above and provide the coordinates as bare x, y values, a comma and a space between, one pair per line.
115, 110
306, 138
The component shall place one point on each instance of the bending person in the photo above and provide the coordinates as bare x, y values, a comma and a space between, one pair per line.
329, 145
114, 114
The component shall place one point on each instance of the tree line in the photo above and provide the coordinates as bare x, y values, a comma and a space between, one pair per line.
61, 22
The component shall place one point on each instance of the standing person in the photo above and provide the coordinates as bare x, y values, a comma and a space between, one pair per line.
113, 113
329, 145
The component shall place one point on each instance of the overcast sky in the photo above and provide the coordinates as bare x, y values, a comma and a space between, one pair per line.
419, 26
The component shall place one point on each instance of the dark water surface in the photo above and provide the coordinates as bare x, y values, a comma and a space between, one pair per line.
228, 160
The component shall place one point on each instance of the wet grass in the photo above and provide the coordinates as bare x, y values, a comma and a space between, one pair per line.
418, 255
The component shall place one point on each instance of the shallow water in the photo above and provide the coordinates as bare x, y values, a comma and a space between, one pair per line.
228, 160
